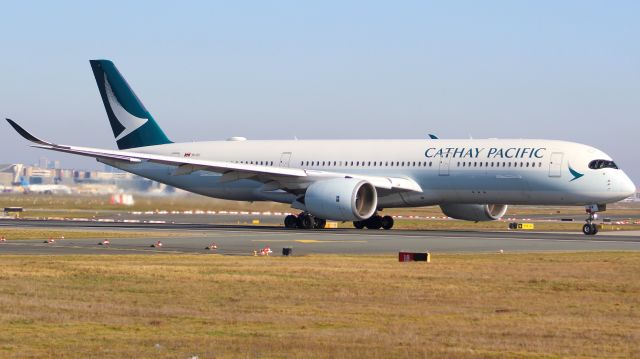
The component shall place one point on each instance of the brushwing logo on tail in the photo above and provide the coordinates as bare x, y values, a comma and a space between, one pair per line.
128, 121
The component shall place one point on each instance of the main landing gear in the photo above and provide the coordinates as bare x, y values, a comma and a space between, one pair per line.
591, 228
375, 222
304, 221
308, 221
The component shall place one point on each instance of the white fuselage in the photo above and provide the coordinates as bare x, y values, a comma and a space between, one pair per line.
488, 171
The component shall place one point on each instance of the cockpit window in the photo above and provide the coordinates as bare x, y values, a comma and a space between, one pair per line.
599, 164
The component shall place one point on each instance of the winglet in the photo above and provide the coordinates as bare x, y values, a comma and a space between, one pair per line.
26, 134
433, 137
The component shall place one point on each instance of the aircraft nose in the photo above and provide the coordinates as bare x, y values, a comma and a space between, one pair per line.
627, 186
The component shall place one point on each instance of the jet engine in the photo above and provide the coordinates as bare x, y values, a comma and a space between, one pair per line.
341, 199
474, 212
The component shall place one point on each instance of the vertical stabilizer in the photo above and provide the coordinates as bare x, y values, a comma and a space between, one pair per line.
132, 125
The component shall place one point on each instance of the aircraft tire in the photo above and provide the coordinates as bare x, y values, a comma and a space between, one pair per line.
387, 222
589, 229
306, 221
375, 222
291, 221
320, 223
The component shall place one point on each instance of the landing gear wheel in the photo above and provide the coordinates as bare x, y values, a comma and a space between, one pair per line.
320, 223
306, 221
358, 224
290, 221
387, 222
589, 229
375, 222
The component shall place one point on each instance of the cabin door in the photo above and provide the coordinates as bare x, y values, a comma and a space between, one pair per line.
444, 165
555, 165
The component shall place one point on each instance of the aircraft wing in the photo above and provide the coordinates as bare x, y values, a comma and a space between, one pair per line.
274, 177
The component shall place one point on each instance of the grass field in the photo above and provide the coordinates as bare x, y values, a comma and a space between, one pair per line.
89, 204
453, 225
46, 233
489, 305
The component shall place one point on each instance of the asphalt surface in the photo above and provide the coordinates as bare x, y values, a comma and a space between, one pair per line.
243, 240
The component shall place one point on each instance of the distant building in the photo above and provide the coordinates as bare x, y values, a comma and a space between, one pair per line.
48, 172
43, 163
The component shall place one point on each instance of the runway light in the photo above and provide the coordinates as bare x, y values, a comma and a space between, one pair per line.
501, 251
158, 244
2, 239
50, 241
104, 243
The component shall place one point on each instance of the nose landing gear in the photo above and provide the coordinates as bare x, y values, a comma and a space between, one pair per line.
591, 228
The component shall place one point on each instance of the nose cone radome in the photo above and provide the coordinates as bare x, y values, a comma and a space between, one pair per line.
627, 187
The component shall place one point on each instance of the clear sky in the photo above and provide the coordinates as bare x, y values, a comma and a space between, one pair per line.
329, 69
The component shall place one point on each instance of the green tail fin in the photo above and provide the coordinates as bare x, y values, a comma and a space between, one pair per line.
133, 126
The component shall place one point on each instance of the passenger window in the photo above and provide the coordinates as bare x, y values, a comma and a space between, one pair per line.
430, 163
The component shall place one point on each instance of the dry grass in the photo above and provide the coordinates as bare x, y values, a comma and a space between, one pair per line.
142, 203
55, 233
520, 305
456, 225
92, 204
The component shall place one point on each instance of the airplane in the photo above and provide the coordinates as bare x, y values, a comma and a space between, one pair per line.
44, 188
355, 180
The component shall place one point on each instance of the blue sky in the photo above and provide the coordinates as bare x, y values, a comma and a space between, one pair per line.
330, 69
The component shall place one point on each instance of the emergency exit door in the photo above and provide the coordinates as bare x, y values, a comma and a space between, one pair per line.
284, 159
444, 166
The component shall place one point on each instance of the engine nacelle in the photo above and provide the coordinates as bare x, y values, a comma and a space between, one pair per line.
474, 212
341, 199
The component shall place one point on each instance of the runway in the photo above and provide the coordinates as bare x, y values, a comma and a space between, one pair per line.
243, 240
